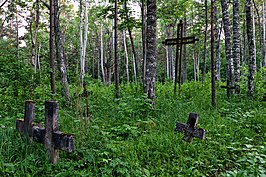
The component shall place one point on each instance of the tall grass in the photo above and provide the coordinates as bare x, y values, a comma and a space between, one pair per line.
124, 137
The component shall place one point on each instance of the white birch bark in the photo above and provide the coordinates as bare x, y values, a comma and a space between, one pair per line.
102, 59
264, 34
84, 43
254, 29
126, 55
80, 31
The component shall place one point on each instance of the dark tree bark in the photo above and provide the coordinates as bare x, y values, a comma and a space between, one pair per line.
52, 71
143, 31
244, 54
117, 93
236, 40
251, 47
60, 55
217, 39
150, 73
212, 57
185, 53
205, 42
228, 48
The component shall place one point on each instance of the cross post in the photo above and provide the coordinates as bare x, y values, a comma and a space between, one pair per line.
179, 42
228, 88
190, 128
53, 139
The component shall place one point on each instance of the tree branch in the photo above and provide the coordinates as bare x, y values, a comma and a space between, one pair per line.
45, 4
3, 3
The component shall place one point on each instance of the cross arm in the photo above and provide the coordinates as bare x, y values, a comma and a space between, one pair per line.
181, 127
190, 131
61, 140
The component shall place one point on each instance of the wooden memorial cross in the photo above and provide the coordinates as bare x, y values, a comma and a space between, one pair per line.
228, 88
53, 139
190, 128
179, 42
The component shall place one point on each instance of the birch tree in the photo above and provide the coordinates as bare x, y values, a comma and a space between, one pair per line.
117, 93
228, 45
126, 54
218, 29
34, 36
236, 40
264, 34
102, 57
150, 72
83, 40
60, 54
251, 48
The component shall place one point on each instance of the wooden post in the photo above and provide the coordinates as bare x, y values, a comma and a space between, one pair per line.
29, 117
51, 125
53, 139
179, 42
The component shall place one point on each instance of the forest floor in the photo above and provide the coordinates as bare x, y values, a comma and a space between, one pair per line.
124, 137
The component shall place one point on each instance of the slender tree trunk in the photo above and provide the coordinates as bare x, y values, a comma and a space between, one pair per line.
184, 66
51, 41
244, 55
102, 58
217, 39
116, 53
228, 48
143, 31
59, 43
212, 57
150, 75
84, 46
254, 30
195, 62
80, 33
236, 40
205, 42
134, 56
251, 46
167, 49
172, 57
264, 34
126, 55
34, 37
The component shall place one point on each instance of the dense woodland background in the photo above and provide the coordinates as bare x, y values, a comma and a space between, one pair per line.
106, 65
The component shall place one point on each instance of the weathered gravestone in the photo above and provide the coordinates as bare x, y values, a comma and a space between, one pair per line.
53, 139
228, 88
190, 128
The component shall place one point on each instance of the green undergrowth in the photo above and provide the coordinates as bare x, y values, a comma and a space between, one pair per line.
125, 137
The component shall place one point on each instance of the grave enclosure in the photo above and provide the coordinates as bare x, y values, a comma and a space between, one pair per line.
53, 139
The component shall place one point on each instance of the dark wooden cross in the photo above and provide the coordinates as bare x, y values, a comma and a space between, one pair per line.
228, 88
190, 128
179, 42
53, 139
